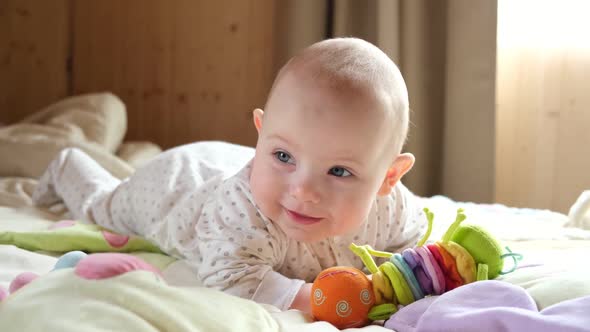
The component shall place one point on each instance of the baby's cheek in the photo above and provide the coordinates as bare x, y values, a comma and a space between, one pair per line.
265, 191
353, 214
351, 223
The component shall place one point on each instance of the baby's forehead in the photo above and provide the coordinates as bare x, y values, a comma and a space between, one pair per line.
350, 118
375, 83
341, 77
356, 72
363, 96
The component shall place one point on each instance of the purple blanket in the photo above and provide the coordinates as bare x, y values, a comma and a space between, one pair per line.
490, 306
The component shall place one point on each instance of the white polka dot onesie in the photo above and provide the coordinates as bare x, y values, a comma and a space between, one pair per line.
194, 202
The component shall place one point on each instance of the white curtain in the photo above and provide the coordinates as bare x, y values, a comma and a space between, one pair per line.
543, 103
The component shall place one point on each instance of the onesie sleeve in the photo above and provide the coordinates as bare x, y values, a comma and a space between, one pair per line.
240, 250
408, 218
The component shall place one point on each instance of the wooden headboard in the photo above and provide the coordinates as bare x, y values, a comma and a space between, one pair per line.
187, 70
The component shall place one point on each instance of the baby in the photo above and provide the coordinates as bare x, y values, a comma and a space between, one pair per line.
262, 224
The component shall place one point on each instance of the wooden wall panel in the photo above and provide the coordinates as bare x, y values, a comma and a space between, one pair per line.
187, 70
33, 55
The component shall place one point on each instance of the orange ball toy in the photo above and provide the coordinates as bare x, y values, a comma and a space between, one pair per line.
342, 296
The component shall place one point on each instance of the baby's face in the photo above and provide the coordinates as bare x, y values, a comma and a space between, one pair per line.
320, 160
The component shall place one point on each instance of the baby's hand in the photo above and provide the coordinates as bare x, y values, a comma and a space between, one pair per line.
303, 299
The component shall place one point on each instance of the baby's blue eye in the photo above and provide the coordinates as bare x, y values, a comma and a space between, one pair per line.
283, 157
339, 172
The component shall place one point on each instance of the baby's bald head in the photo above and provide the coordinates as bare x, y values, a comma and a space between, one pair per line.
353, 67
330, 139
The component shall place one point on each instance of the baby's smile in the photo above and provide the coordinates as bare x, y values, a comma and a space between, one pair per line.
302, 218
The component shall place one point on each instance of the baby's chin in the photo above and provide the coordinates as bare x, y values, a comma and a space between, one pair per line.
310, 236
307, 238
310, 233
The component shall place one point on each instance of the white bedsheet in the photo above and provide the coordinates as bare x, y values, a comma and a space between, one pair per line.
538, 234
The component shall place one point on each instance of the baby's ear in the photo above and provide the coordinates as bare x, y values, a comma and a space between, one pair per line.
401, 165
258, 115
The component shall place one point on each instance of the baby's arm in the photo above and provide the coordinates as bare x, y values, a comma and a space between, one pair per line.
303, 299
239, 253
249, 275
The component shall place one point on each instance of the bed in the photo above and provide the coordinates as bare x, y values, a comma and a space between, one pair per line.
554, 246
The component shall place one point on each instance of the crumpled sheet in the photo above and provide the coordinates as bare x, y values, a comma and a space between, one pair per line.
95, 123
490, 306
579, 213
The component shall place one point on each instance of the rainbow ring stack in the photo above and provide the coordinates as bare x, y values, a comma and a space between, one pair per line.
465, 254
346, 297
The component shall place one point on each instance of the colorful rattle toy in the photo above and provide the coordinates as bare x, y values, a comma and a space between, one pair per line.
345, 296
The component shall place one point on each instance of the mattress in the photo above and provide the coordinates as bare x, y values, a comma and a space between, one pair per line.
550, 272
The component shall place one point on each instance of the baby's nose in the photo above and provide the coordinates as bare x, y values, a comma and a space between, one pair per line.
304, 190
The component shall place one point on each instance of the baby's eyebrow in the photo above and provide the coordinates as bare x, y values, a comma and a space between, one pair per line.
278, 137
342, 159
350, 162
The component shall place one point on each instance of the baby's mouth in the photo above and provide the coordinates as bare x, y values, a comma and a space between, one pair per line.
301, 218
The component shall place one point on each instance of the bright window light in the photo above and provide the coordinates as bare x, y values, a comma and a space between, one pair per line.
545, 24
